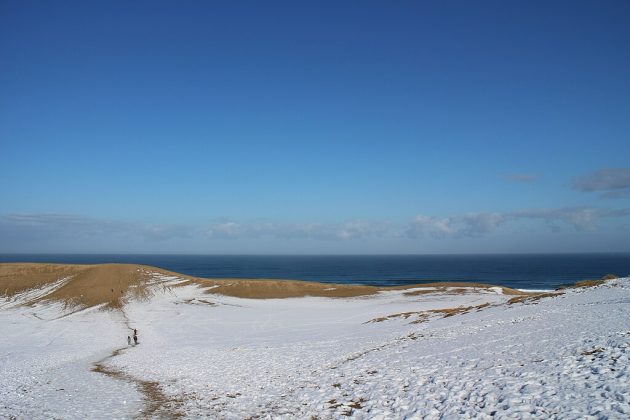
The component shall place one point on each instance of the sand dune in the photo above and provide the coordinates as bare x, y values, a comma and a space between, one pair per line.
19, 277
111, 284
393, 353
86, 285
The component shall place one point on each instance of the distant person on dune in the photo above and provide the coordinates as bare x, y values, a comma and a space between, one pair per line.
128, 340
135, 336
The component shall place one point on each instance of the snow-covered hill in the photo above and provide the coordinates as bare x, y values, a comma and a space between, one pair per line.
444, 352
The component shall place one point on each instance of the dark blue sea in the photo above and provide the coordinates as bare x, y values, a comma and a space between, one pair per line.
516, 271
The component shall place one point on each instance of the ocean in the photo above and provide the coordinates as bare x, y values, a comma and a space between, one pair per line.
527, 271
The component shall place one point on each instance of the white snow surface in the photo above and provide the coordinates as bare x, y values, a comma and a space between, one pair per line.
223, 357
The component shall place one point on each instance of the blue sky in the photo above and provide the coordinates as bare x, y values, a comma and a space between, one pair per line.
321, 127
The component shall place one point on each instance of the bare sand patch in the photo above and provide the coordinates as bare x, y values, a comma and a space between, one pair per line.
102, 284
278, 289
20, 277
592, 283
87, 285
532, 297
422, 316
535, 297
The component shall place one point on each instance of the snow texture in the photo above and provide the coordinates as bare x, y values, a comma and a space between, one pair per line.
223, 357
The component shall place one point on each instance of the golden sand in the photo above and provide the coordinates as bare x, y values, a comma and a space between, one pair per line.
111, 284
87, 285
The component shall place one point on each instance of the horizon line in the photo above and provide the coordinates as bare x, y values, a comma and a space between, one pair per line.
314, 254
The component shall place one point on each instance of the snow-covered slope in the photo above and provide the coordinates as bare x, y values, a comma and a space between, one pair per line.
391, 355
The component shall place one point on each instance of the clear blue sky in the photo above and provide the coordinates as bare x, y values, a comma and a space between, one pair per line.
314, 127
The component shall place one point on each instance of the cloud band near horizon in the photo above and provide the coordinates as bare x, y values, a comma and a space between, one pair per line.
468, 225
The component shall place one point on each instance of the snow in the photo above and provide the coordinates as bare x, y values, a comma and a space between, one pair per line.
33, 294
497, 290
221, 356
46, 361
536, 290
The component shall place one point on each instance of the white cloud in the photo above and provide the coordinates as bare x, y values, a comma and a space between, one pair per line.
479, 224
470, 224
433, 226
58, 230
63, 225
581, 218
344, 231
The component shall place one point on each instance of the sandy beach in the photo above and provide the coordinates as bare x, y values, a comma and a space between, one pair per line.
227, 348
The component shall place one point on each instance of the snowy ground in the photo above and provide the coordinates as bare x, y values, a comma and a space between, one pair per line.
224, 357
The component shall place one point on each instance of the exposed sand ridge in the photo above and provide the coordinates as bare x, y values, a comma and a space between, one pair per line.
111, 285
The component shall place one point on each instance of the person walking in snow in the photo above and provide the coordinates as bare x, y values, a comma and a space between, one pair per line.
135, 336
128, 340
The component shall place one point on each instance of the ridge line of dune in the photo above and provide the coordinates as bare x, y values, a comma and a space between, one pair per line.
113, 285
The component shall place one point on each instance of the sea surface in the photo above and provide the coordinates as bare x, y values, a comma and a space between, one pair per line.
528, 271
